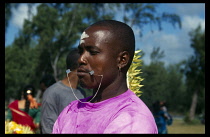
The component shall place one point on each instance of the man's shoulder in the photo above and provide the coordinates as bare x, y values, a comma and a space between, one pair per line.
57, 84
135, 105
52, 90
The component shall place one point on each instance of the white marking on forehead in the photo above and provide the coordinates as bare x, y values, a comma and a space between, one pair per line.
84, 35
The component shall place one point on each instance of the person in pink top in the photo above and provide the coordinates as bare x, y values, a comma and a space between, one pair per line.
106, 51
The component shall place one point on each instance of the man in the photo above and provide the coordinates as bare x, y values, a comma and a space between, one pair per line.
59, 95
106, 52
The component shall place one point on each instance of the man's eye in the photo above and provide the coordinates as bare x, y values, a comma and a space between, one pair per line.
94, 52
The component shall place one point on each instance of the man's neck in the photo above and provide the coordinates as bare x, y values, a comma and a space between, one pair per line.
113, 90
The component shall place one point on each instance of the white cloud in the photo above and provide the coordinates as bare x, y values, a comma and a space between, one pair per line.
190, 9
191, 22
176, 47
21, 13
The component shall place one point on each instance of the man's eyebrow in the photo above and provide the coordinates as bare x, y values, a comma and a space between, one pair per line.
91, 47
88, 47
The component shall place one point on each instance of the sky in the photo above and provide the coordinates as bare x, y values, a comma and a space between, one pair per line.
174, 42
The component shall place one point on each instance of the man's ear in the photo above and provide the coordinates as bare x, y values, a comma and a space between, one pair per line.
123, 59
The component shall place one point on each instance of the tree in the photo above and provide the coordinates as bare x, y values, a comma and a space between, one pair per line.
141, 14
156, 55
175, 89
155, 78
19, 70
195, 69
163, 83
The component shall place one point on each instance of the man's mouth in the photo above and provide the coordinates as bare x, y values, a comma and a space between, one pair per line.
81, 72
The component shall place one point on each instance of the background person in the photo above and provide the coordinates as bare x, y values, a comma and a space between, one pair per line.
46, 81
25, 111
162, 117
59, 95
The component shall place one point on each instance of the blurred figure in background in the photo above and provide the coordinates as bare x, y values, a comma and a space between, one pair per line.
59, 95
162, 117
46, 81
25, 111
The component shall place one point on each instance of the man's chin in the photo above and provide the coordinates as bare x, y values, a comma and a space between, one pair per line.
84, 86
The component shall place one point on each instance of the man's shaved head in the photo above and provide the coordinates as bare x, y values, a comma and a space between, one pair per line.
122, 33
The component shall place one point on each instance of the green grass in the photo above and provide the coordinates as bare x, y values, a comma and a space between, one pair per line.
179, 127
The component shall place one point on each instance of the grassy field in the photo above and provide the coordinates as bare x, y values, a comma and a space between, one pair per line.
179, 127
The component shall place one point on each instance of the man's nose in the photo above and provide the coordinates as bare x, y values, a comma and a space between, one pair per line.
82, 59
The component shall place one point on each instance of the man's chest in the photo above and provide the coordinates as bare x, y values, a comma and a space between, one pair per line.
88, 122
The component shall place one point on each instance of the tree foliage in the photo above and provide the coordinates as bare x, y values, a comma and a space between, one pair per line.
19, 70
163, 83
182, 87
195, 71
142, 14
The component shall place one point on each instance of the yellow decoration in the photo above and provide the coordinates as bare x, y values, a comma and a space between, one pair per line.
133, 74
12, 127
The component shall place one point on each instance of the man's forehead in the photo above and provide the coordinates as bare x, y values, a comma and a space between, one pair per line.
98, 30
102, 34
97, 34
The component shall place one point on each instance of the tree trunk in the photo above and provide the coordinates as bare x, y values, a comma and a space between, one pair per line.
55, 72
193, 105
54, 66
